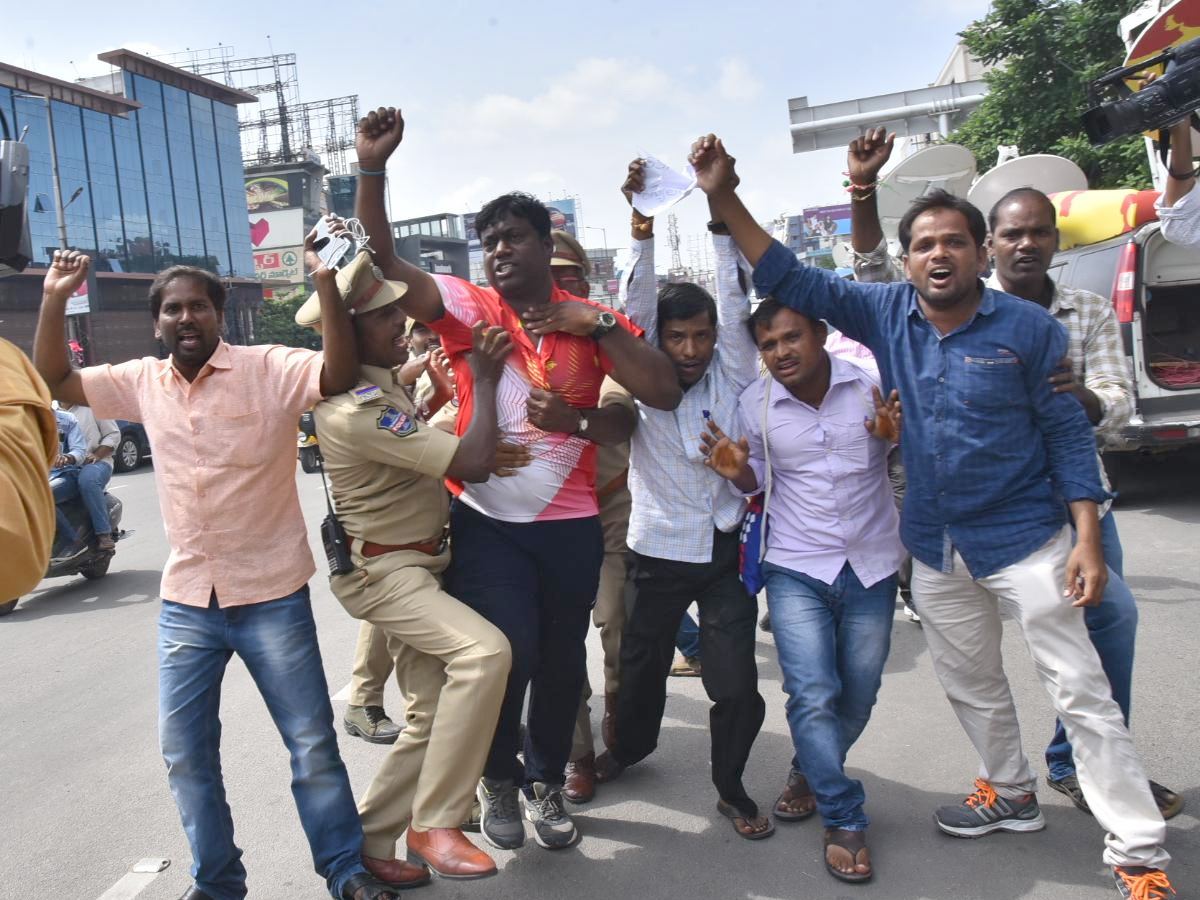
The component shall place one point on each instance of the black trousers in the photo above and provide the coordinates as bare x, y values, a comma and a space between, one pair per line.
536, 582
662, 590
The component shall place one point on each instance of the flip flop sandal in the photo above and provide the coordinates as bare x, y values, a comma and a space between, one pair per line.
852, 842
797, 789
731, 812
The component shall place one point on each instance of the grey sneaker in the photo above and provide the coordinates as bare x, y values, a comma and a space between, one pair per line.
986, 811
370, 723
543, 805
500, 819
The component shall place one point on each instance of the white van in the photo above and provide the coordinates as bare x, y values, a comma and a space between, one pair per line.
1155, 290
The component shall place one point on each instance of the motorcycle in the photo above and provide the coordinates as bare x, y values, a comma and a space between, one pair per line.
87, 561
307, 445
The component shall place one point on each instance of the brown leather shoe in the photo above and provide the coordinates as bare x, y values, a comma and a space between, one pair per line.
396, 873
579, 779
608, 723
607, 767
105, 542
448, 852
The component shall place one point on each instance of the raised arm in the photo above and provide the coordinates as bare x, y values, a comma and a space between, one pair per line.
850, 307
379, 134
865, 156
638, 293
339, 370
67, 272
1181, 173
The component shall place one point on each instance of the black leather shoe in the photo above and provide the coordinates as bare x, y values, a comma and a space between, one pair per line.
194, 893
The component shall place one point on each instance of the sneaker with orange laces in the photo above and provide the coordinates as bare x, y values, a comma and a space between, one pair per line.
986, 811
1141, 883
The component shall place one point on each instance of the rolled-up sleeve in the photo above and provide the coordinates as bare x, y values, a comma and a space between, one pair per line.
877, 266
1107, 372
1181, 220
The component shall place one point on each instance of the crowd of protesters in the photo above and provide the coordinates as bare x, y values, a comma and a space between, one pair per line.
684, 449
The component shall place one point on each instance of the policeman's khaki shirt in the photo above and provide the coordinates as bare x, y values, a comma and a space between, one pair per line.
28, 445
385, 465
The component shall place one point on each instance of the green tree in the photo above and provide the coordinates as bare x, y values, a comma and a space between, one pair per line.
1047, 52
277, 325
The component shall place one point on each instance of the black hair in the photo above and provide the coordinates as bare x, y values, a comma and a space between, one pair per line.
766, 311
1016, 193
212, 286
523, 206
684, 301
939, 199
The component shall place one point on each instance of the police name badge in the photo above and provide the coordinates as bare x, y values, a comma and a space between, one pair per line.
364, 393
397, 422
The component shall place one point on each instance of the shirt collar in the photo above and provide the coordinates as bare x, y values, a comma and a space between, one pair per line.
1060, 298
840, 372
220, 359
378, 376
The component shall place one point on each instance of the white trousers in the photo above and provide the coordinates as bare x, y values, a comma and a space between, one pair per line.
961, 618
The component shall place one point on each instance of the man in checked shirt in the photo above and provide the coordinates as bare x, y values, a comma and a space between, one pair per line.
1023, 241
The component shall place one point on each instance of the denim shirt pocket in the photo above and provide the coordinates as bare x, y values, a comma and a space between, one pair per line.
993, 382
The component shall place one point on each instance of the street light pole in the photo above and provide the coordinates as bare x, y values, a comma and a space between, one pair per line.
58, 201
603, 233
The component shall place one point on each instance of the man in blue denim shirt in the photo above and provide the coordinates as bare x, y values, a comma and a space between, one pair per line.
991, 454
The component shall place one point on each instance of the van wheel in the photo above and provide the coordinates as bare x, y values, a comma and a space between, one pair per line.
7, 607
1115, 466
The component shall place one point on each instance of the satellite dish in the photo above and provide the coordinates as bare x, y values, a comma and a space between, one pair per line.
1048, 174
950, 167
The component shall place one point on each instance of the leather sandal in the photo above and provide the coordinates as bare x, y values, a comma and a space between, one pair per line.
741, 823
797, 791
853, 842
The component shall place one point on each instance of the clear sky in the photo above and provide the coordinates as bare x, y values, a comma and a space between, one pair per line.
552, 97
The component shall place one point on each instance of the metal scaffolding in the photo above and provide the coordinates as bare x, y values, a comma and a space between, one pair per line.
279, 128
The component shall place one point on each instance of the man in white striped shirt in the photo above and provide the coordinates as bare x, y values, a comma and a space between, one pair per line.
684, 526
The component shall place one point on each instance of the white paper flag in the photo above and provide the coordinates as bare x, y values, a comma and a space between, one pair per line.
664, 187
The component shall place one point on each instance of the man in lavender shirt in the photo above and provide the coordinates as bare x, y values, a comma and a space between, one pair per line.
815, 435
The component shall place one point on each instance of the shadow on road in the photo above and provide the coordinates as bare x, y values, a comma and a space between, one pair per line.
76, 594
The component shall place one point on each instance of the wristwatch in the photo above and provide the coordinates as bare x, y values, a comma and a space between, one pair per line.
605, 322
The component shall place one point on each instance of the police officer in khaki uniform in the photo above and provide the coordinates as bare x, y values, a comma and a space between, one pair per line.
570, 267
386, 468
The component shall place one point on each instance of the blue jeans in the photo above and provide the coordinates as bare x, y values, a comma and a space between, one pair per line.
64, 485
93, 478
687, 638
1112, 627
833, 640
277, 640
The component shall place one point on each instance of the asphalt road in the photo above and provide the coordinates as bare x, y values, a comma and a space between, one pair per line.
85, 795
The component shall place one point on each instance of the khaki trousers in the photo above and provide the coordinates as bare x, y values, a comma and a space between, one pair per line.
961, 616
452, 666
608, 614
372, 665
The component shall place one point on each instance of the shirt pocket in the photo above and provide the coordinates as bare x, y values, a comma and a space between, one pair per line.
993, 382
237, 440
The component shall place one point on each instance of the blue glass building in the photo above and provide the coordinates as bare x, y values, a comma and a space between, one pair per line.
155, 155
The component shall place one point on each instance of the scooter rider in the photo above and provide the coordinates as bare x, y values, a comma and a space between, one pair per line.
72, 449
102, 437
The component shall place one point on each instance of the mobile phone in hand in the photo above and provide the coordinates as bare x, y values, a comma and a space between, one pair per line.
333, 249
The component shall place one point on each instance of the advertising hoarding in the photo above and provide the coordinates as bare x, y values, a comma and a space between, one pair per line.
276, 230
562, 215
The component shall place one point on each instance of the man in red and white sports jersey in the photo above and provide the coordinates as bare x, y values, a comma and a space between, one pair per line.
526, 550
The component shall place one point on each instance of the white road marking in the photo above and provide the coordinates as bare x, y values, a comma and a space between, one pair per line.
136, 879
341, 696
